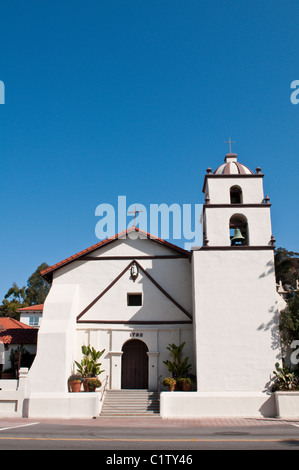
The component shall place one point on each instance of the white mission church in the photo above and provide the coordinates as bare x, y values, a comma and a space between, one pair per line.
133, 294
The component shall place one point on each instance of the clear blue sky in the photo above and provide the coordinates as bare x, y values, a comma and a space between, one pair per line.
136, 98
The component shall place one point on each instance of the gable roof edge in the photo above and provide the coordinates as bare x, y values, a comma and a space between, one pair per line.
47, 273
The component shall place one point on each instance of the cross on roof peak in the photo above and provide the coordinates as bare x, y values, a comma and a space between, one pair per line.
230, 142
135, 212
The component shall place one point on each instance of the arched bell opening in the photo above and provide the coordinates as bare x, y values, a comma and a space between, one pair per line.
236, 195
238, 227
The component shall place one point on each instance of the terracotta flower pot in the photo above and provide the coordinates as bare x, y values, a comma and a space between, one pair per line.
75, 386
186, 387
85, 384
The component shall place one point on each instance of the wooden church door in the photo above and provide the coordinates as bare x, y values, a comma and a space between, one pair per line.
134, 373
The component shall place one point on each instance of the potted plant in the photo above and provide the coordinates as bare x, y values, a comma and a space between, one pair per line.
75, 382
285, 379
89, 367
93, 384
185, 384
178, 367
170, 382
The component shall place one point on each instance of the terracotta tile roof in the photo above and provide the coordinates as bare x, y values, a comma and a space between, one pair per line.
15, 332
47, 273
32, 308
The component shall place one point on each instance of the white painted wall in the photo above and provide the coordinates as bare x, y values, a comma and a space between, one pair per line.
236, 319
218, 189
56, 339
94, 276
79, 283
258, 219
25, 318
112, 338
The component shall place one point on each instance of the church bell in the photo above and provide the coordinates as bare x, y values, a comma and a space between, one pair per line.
238, 238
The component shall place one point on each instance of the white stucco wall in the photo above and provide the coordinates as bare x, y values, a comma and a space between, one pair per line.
258, 220
113, 337
56, 339
76, 285
236, 319
174, 275
218, 189
25, 318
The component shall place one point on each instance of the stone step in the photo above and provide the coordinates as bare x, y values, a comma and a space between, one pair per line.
130, 403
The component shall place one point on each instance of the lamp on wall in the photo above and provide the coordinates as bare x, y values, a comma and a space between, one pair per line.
134, 271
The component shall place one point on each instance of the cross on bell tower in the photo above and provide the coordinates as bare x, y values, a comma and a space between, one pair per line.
230, 142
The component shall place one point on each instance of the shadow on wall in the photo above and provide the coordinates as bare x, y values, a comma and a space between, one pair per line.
267, 409
271, 269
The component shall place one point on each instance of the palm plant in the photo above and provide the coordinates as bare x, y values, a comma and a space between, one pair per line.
178, 367
89, 365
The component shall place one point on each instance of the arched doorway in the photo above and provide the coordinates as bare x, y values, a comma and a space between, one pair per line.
134, 365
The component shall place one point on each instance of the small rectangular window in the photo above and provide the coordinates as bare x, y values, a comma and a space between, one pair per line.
33, 321
134, 300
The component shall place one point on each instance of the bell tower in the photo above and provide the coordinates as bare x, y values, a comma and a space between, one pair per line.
235, 298
234, 201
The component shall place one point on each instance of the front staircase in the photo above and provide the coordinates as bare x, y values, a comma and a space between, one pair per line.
130, 403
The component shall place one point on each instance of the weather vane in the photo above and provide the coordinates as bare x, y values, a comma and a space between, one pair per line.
230, 144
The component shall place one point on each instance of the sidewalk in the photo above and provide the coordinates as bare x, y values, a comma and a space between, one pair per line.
191, 422
154, 422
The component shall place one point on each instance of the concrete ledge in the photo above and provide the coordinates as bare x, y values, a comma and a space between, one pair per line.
216, 404
8, 384
62, 405
11, 404
11, 399
287, 404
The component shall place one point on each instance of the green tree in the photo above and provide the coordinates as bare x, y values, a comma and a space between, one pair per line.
18, 297
289, 322
286, 266
37, 287
13, 300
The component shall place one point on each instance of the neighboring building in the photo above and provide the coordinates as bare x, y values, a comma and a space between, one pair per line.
31, 315
15, 335
134, 293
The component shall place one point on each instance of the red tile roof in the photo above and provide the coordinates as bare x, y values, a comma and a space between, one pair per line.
47, 273
15, 332
32, 308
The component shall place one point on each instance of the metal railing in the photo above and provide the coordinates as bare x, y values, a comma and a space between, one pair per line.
159, 387
103, 389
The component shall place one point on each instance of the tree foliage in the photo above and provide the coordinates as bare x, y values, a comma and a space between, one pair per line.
286, 266
37, 287
18, 297
287, 271
289, 321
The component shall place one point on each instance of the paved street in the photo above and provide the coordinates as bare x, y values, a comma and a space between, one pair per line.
152, 435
